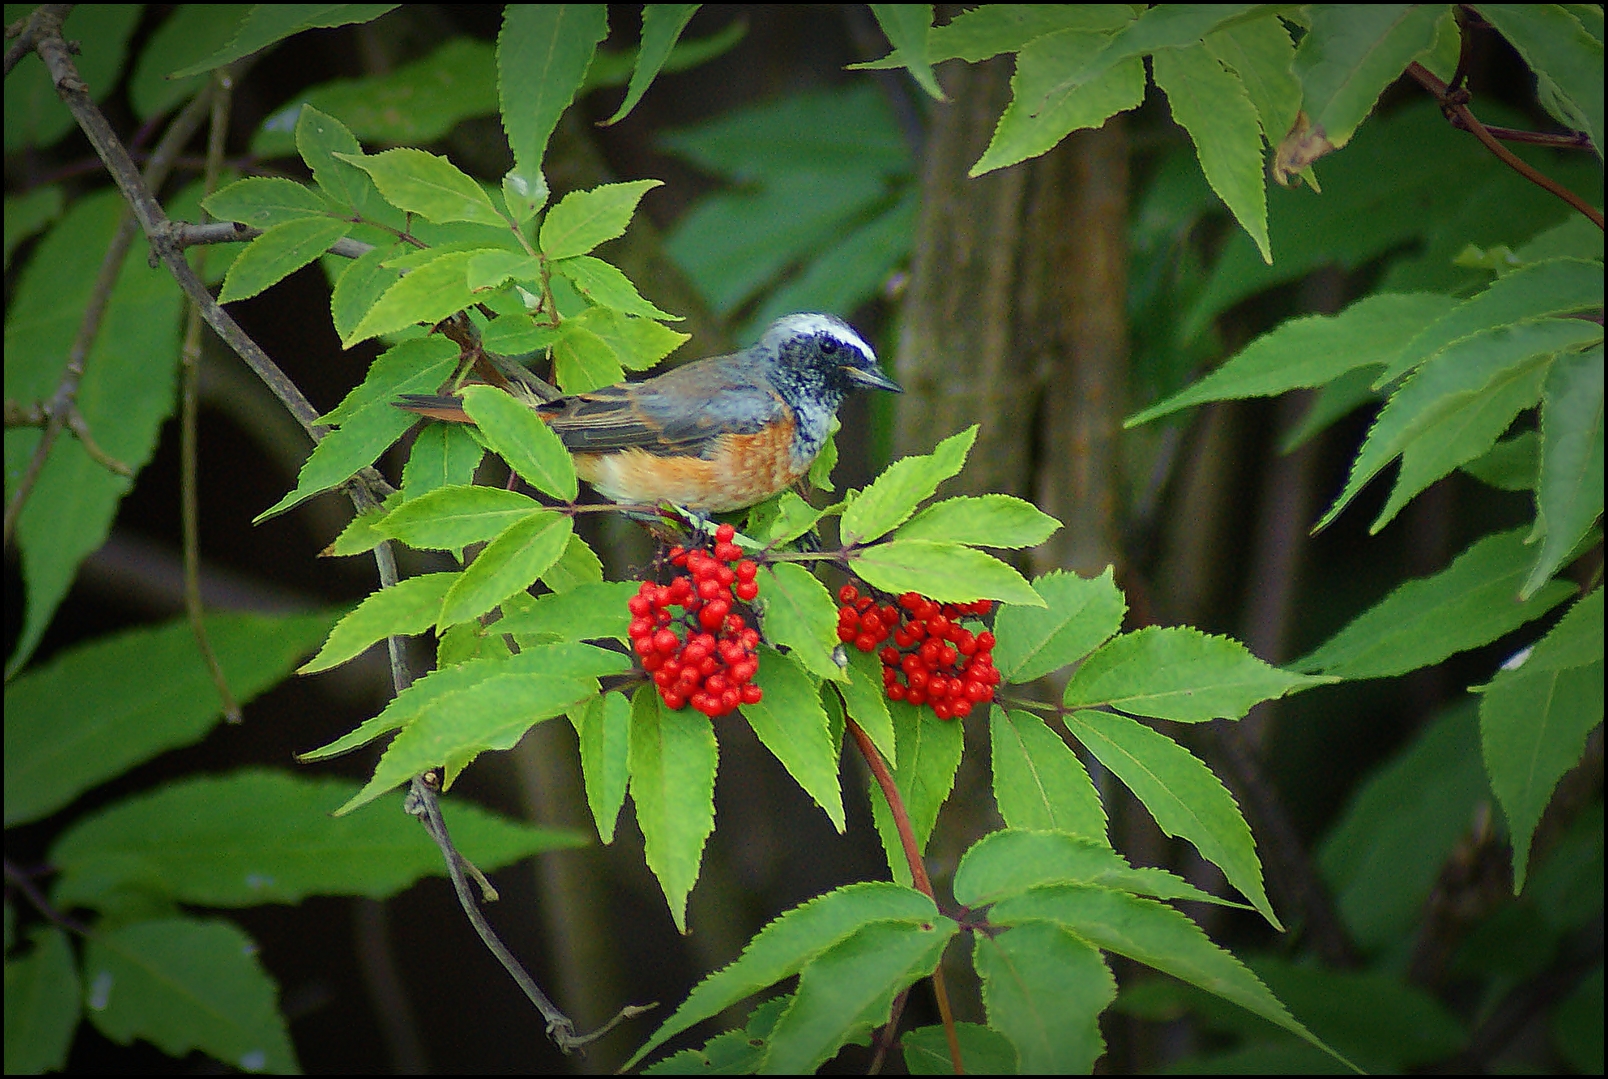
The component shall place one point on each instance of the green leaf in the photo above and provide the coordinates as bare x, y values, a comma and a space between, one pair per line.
1560, 51
790, 722
847, 990
788, 943
603, 727
907, 26
1555, 287
983, 1051
184, 984
1076, 615
578, 565
406, 608
673, 762
369, 421
1181, 793
585, 612
1156, 935
508, 564
43, 1003
799, 614
1259, 51
1181, 674
488, 707
1311, 351
449, 518
661, 26
94, 711
1044, 988
443, 455
1452, 386
427, 294
263, 26
1213, 106
981, 520
1010, 862
429, 185
736, 1052
1038, 781
319, 137
360, 286
1030, 126
543, 52
265, 201
890, 500
987, 31
1383, 856
1534, 718
258, 836
867, 704
1349, 56
583, 361
1569, 492
929, 752
584, 219
516, 435
946, 572
1469, 603
636, 343
606, 284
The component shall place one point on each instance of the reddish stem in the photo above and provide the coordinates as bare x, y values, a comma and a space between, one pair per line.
918, 871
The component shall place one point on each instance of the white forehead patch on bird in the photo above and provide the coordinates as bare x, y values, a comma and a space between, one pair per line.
812, 325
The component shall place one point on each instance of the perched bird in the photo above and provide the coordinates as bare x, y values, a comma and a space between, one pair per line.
714, 435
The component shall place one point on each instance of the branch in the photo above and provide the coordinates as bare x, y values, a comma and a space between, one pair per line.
1454, 103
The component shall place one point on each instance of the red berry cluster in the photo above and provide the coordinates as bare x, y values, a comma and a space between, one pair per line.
933, 660
711, 666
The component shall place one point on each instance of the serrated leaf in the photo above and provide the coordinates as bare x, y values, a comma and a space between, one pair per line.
1038, 781
426, 184
1454, 381
1156, 935
1211, 104
279, 252
848, 989
890, 500
259, 836
1569, 492
587, 611
584, 219
319, 137
946, 572
1182, 795
266, 201
603, 727
1181, 674
1010, 862
427, 294
661, 26
93, 711
508, 564
929, 751
867, 705
583, 361
673, 762
1044, 988
578, 565
1560, 51
606, 284
443, 455
637, 343
787, 943
1077, 613
407, 607
1349, 56
799, 614
1312, 350
982, 521
791, 724
983, 1051
44, 1001
543, 51
262, 26
907, 26
449, 518
517, 436
184, 984
1469, 603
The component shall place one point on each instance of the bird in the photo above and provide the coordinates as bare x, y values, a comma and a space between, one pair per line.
714, 435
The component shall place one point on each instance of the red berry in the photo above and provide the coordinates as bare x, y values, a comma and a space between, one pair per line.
895, 691
985, 641
865, 642
915, 696
889, 657
747, 569
848, 594
724, 533
752, 694
675, 701
747, 590
847, 633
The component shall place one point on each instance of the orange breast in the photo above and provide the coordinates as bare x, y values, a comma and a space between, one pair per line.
743, 470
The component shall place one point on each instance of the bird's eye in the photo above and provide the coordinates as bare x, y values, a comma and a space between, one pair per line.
829, 345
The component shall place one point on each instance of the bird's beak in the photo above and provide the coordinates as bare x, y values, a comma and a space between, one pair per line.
873, 378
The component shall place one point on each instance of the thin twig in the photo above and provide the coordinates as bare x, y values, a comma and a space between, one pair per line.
1455, 105
918, 871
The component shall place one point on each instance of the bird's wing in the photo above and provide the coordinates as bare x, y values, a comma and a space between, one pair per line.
680, 412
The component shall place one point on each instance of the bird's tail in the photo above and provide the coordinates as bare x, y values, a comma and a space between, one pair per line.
437, 406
